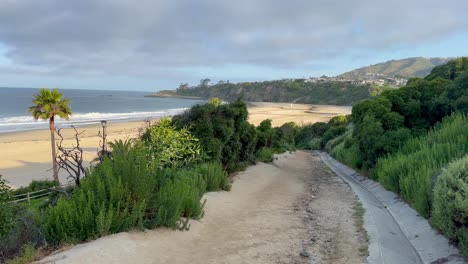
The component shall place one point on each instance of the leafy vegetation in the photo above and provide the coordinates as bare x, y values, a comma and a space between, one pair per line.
29, 253
214, 175
224, 133
169, 146
411, 170
26, 229
6, 212
451, 70
265, 154
317, 135
338, 93
450, 210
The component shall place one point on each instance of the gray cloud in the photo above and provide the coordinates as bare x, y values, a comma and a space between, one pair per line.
162, 38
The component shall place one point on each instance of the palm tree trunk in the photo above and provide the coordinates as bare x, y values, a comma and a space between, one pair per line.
52, 143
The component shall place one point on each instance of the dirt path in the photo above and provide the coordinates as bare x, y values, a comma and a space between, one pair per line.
295, 211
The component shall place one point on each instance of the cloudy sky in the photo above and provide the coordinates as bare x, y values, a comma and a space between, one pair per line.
156, 44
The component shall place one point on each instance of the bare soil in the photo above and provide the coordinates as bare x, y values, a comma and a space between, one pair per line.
293, 211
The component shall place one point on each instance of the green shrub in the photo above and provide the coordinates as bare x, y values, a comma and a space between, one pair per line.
410, 171
170, 146
25, 230
224, 133
121, 147
339, 121
128, 192
450, 207
345, 149
309, 132
29, 253
349, 155
112, 198
331, 144
313, 144
6, 210
284, 137
265, 155
179, 197
265, 134
214, 175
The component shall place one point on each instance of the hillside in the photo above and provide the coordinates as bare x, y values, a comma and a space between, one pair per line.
410, 67
326, 92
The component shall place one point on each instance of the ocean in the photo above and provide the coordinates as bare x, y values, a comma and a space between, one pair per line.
88, 107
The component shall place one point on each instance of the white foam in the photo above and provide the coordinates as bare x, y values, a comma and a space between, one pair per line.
23, 123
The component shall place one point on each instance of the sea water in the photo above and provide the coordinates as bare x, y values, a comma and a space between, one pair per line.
88, 107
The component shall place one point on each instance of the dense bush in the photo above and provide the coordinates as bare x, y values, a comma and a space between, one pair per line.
348, 152
28, 254
18, 225
178, 197
224, 133
265, 154
26, 229
317, 135
284, 137
411, 170
130, 191
336, 140
6, 211
169, 146
214, 175
450, 210
265, 134
112, 198
309, 132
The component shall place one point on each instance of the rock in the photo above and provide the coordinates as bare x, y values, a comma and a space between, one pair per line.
305, 254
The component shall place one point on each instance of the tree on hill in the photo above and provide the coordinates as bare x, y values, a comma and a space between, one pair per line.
47, 105
449, 71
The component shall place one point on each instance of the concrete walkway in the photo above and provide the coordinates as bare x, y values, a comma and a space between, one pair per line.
397, 233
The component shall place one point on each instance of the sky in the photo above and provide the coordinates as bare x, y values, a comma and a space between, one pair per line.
149, 45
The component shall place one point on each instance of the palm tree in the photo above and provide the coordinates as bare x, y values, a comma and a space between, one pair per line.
47, 105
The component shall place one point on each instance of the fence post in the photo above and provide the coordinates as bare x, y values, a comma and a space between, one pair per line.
29, 198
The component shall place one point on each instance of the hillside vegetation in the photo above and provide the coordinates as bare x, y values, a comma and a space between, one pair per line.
410, 67
337, 93
414, 140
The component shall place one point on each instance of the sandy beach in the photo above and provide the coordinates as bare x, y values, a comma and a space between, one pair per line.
26, 156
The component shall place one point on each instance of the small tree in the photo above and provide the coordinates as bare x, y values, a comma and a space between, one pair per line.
47, 105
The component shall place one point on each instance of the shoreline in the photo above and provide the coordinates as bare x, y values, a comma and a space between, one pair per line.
26, 155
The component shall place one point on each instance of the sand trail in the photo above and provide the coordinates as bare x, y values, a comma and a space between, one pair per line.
265, 218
